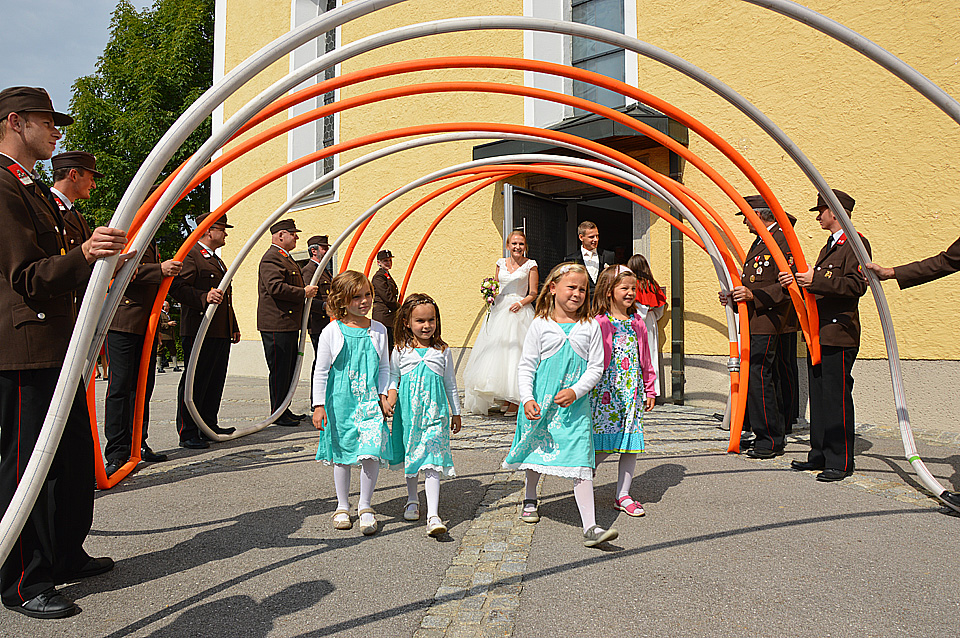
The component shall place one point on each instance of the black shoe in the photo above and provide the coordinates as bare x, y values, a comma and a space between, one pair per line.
195, 443
754, 453
177, 369
112, 467
804, 466
146, 454
295, 417
160, 370
223, 431
94, 567
46, 605
287, 422
951, 497
831, 474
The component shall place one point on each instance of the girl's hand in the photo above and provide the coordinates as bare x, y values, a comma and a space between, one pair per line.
456, 423
319, 417
386, 406
649, 403
531, 410
565, 397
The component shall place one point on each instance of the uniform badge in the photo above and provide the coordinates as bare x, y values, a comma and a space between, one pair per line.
759, 270
828, 274
790, 260
20, 174
753, 278
205, 253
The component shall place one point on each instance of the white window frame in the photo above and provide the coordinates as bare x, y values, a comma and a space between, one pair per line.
295, 138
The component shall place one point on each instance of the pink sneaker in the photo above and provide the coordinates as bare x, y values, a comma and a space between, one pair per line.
628, 505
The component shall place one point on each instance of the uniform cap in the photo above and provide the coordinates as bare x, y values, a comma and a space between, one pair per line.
847, 201
222, 220
757, 201
76, 159
318, 240
285, 224
384, 254
28, 99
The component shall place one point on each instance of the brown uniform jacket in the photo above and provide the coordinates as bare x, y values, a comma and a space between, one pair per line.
202, 271
39, 278
920, 272
280, 292
771, 311
838, 283
318, 314
133, 313
76, 230
385, 295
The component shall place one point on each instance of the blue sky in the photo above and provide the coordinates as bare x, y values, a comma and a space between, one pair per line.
51, 43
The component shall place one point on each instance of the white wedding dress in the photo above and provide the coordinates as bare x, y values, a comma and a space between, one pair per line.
491, 372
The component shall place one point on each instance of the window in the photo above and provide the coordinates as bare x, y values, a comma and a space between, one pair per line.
322, 133
598, 57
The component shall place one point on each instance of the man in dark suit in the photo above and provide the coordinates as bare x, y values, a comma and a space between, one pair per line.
196, 288
837, 282
280, 297
921, 272
769, 312
124, 350
40, 280
74, 176
386, 295
588, 256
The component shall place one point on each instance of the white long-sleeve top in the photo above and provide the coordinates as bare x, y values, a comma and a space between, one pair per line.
545, 338
328, 347
404, 360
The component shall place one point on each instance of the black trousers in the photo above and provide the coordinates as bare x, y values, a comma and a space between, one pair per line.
50, 547
207, 384
831, 408
123, 358
280, 349
789, 386
763, 400
314, 339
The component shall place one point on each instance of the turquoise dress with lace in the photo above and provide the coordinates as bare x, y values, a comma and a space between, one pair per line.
356, 429
420, 438
617, 399
560, 442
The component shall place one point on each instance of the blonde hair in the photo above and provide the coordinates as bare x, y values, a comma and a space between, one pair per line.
515, 232
546, 300
585, 226
609, 279
402, 335
343, 287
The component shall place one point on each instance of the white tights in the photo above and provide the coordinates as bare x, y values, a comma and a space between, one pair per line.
625, 470
431, 485
582, 493
369, 469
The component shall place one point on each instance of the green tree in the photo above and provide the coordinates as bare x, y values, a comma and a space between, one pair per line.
156, 63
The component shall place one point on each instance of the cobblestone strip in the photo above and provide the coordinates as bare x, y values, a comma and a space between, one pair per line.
480, 591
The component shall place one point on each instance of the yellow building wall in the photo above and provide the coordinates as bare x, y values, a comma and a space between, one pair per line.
466, 245
867, 132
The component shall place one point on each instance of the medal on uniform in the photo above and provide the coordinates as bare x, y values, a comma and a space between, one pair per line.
828, 274
753, 278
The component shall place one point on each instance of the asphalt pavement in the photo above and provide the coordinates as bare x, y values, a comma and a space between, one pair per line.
238, 540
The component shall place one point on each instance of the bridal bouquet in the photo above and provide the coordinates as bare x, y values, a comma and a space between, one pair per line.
489, 288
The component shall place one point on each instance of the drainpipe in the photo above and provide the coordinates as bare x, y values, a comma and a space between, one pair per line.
676, 293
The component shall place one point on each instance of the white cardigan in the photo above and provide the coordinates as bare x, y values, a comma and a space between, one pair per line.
404, 360
328, 347
545, 338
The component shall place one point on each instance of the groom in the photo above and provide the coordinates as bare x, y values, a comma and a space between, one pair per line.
588, 255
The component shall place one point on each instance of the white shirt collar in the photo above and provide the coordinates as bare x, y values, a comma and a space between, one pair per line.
837, 235
205, 247
63, 198
587, 253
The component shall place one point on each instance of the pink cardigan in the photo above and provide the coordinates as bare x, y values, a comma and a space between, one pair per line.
646, 365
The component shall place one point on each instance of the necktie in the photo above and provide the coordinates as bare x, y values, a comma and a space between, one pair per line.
829, 242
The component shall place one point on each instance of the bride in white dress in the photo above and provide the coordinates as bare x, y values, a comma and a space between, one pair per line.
491, 372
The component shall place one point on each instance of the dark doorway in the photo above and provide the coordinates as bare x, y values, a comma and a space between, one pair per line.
616, 229
544, 221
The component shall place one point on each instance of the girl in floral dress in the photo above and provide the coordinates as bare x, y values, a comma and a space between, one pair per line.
561, 361
628, 386
422, 376
350, 387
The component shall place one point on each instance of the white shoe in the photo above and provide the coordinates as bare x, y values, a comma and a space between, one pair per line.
412, 512
435, 526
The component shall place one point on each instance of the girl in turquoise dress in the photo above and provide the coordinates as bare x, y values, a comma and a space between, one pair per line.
350, 385
423, 378
628, 386
561, 361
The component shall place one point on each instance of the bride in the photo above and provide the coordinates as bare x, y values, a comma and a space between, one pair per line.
491, 372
